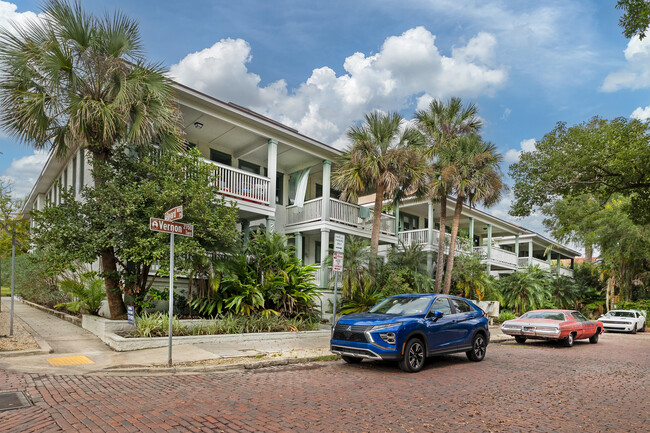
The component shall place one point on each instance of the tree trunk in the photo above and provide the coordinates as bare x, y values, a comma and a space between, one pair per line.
589, 251
109, 262
441, 245
376, 228
452, 243
113, 291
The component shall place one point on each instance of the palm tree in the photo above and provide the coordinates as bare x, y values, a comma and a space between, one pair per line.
385, 158
73, 80
443, 124
472, 168
525, 290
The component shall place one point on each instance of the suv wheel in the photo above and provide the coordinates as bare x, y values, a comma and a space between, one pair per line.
414, 356
479, 347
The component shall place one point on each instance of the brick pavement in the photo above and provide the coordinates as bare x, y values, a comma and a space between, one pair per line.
536, 387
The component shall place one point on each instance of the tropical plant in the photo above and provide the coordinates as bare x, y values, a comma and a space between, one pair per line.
443, 124
525, 290
87, 293
72, 80
564, 293
384, 158
405, 271
471, 168
470, 278
363, 298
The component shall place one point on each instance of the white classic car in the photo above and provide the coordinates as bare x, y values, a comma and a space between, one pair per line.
624, 320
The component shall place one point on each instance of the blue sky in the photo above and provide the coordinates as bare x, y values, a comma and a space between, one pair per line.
318, 66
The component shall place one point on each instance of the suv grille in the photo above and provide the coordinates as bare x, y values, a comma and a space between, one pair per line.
350, 332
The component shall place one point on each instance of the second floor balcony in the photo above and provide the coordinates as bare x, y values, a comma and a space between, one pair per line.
240, 184
340, 212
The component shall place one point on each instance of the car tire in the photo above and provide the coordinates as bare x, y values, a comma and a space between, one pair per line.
594, 338
479, 347
519, 339
351, 359
634, 329
414, 356
643, 327
568, 342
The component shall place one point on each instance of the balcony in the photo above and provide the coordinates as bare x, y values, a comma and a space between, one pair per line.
240, 184
340, 212
498, 256
566, 272
542, 264
421, 237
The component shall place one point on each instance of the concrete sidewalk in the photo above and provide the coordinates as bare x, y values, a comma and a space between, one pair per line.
67, 342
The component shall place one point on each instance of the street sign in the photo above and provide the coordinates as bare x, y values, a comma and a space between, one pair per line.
337, 262
339, 243
130, 314
182, 229
174, 214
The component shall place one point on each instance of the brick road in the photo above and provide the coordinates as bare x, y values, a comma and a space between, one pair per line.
536, 387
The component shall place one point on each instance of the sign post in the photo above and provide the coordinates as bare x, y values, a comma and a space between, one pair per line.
168, 225
337, 267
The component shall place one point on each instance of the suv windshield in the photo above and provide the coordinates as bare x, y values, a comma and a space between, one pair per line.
543, 315
402, 305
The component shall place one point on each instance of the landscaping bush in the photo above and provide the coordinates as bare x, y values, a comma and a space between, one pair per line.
87, 293
34, 283
157, 324
505, 315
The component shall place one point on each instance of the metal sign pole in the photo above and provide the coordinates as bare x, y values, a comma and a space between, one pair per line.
13, 274
171, 293
336, 289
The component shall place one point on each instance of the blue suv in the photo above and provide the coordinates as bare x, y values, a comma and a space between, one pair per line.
408, 328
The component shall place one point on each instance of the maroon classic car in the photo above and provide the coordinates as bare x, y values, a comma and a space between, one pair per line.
564, 325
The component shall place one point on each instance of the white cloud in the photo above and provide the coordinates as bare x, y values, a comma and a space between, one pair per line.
23, 172
506, 114
527, 145
642, 114
9, 16
636, 73
324, 105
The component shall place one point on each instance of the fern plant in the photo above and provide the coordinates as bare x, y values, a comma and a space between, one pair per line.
87, 293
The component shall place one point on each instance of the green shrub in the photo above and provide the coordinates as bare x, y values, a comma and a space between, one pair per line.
33, 282
505, 315
155, 325
87, 293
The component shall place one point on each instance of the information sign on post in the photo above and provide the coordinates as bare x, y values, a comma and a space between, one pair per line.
168, 225
337, 267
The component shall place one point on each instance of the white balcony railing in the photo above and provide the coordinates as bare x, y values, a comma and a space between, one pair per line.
241, 184
340, 212
498, 255
542, 264
567, 272
420, 236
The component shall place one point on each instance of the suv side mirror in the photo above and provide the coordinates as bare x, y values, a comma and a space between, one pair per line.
436, 314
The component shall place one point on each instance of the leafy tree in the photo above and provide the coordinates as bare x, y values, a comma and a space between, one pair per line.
73, 80
384, 158
600, 157
471, 168
470, 278
636, 19
525, 290
141, 183
443, 124
405, 271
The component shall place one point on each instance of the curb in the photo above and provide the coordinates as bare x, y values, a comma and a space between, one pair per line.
61, 315
243, 366
45, 348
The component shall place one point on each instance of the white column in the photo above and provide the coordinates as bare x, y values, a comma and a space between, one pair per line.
530, 252
327, 172
272, 168
324, 250
517, 247
298, 240
431, 223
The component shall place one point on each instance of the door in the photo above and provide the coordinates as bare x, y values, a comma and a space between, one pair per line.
440, 331
464, 325
587, 327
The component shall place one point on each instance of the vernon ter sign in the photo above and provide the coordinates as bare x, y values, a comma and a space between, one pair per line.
181, 229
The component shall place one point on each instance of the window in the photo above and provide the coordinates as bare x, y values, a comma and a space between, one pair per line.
279, 188
220, 157
409, 222
249, 167
579, 317
317, 257
441, 304
319, 190
460, 306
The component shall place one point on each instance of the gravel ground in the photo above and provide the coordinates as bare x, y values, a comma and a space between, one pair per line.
21, 340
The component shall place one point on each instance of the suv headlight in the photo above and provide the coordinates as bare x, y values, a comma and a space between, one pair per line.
381, 327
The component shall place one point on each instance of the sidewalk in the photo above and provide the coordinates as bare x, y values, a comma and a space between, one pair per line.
67, 342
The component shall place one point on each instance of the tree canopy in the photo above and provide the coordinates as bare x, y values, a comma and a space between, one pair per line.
636, 17
599, 157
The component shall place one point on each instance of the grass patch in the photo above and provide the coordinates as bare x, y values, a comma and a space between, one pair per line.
325, 358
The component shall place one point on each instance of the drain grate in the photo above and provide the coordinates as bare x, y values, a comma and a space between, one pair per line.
13, 400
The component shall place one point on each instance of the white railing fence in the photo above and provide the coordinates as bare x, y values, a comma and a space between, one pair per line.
233, 182
312, 210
